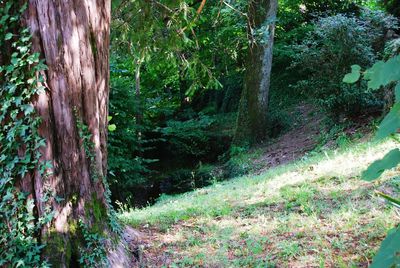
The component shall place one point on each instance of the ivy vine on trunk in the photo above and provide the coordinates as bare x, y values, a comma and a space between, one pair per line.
20, 84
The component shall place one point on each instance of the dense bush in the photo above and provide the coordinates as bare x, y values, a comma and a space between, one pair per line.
296, 20
188, 137
325, 55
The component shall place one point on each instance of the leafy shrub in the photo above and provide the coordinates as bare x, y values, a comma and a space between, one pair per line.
326, 54
200, 138
188, 137
127, 166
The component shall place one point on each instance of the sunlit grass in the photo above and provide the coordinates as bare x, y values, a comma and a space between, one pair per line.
314, 212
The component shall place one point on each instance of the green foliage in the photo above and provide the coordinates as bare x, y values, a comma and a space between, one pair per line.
94, 253
354, 76
325, 54
382, 74
164, 33
391, 123
88, 145
189, 137
391, 160
20, 83
18, 242
392, 6
111, 127
388, 255
295, 22
188, 63
397, 92
127, 166
111, 213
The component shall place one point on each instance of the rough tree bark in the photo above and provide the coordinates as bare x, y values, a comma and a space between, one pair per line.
252, 115
73, 39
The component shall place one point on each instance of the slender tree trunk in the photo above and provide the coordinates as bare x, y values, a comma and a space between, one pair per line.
139, 110
182, 88
252, 115
73, 39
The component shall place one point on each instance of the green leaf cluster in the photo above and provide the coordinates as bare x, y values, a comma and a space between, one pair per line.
94, 253
20, 143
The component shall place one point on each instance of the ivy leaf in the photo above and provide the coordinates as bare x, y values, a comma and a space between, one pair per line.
34, 58
112, 127
391, 123
375, 170
8, 36
354, 76
28, 109
389, 252
20, 263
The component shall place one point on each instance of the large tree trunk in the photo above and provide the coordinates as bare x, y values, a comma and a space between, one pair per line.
73, 39
252, 116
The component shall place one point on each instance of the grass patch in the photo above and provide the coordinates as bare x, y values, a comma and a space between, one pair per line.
315, 212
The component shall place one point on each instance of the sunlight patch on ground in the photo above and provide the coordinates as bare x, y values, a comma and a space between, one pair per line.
311, 213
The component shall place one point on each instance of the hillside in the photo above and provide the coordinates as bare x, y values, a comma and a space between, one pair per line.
314, 212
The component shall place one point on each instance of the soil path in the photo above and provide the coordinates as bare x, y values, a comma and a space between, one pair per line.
294, 144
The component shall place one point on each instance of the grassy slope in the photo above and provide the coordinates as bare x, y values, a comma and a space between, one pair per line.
312, 213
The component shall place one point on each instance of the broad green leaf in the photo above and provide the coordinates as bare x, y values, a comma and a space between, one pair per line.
397, 92
389, 252
375, 170
112, 127
391, 123
354, 76
109, 118
383, 73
